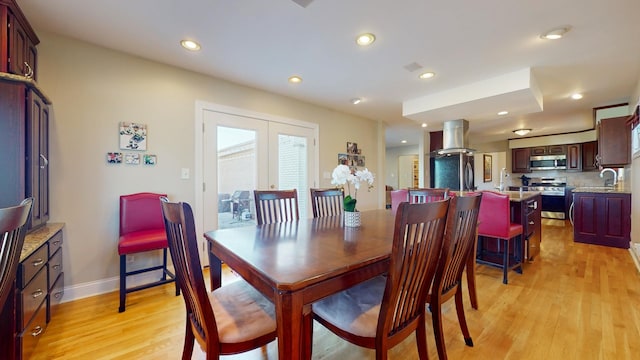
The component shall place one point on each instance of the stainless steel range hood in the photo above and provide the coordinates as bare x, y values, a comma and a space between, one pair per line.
455, 138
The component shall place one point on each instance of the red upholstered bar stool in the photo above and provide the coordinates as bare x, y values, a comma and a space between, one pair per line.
495, 222
397, 197
142, 230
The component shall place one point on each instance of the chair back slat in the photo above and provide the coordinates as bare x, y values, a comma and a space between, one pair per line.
183, 246
417, 242
13, 228
423, 195
276, 206
326, 202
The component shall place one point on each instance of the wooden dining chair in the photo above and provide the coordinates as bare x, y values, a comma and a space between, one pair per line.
231, 319
381, 312
421, 195
13, 228
459, 242
326, 202
274, 206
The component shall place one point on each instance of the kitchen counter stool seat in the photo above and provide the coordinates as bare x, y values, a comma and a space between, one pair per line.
142, 230
495, 222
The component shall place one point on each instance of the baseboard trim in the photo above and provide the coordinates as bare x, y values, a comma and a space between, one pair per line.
99, 287
634, 249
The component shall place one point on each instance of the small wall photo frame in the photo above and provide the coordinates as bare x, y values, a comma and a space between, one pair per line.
133, 136
132, 158
487, 167
114, 157
352, 148
150, 159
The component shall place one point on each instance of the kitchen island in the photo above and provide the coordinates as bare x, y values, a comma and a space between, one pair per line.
602, 216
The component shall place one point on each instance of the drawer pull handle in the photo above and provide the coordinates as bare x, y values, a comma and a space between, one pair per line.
38, 262
531, 223
58, 295
37, 331
56, 243
37, 293
56, 267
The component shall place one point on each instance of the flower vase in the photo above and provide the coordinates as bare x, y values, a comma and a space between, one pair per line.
352, 218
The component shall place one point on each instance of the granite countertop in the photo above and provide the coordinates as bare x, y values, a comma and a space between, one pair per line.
36, 238
25, 80
602, 189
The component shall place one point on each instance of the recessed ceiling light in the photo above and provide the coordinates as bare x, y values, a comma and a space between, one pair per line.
190, 45
404, 141
522, 132
365, 39
424, 125
295, 79
427, 75
576, 96
356, 101
501, 113
555, 34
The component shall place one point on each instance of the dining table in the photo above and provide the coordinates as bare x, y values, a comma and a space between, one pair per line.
297, 263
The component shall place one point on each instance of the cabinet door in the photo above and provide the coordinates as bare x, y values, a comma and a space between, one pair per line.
574, 157
12, 143
589, 152
520, 160
38, 158
616, 220
539, 150
18, 42
585, 219
556, 150
614, 138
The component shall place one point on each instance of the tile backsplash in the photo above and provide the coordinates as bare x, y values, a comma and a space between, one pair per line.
575, 179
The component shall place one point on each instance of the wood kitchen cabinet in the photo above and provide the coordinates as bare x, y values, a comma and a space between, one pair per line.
602, 218
24, 127
614, 142
589, 156
18, 52
548, 150
574, 157
520, 162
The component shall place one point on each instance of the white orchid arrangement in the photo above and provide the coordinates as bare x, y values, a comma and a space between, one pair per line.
342, 175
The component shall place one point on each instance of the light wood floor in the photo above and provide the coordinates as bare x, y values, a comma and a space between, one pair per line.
575, 301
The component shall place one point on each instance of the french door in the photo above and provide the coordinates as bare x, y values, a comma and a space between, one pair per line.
242, 152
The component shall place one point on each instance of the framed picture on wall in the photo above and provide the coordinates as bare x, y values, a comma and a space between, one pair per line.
486, 168
133, 136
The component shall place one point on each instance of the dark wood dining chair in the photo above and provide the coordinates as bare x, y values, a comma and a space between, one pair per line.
422, 195
459, 242
231, 319
13, 228
326, 202
274, 206
381, 312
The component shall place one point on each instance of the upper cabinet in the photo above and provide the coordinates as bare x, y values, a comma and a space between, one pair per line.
574, 157
520, 162
614, 138
589, 156
548, 150
18, 53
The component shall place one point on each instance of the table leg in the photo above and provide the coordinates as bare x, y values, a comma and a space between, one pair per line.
289, 319
215, 270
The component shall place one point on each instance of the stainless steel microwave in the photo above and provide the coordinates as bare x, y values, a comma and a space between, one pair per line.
548, 162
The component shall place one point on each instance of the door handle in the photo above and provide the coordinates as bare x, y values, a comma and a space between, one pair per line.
272, 187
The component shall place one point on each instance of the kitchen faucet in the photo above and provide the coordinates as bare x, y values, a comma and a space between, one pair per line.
615, 176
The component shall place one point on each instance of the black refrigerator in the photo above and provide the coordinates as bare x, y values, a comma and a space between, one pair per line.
445, 171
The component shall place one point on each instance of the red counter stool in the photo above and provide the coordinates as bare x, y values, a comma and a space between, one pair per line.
142, 230
495, 222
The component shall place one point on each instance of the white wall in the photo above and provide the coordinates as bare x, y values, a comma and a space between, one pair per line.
93, 89
392, 166
498, 161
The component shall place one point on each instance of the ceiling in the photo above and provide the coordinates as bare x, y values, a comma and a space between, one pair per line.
469, 44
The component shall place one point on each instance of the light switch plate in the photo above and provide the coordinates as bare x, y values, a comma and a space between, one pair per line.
184, 173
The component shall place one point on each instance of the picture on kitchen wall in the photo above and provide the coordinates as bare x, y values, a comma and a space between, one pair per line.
114, 158
487, 168
133, 136
132, 158
343, 159
352, 148
150, 159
